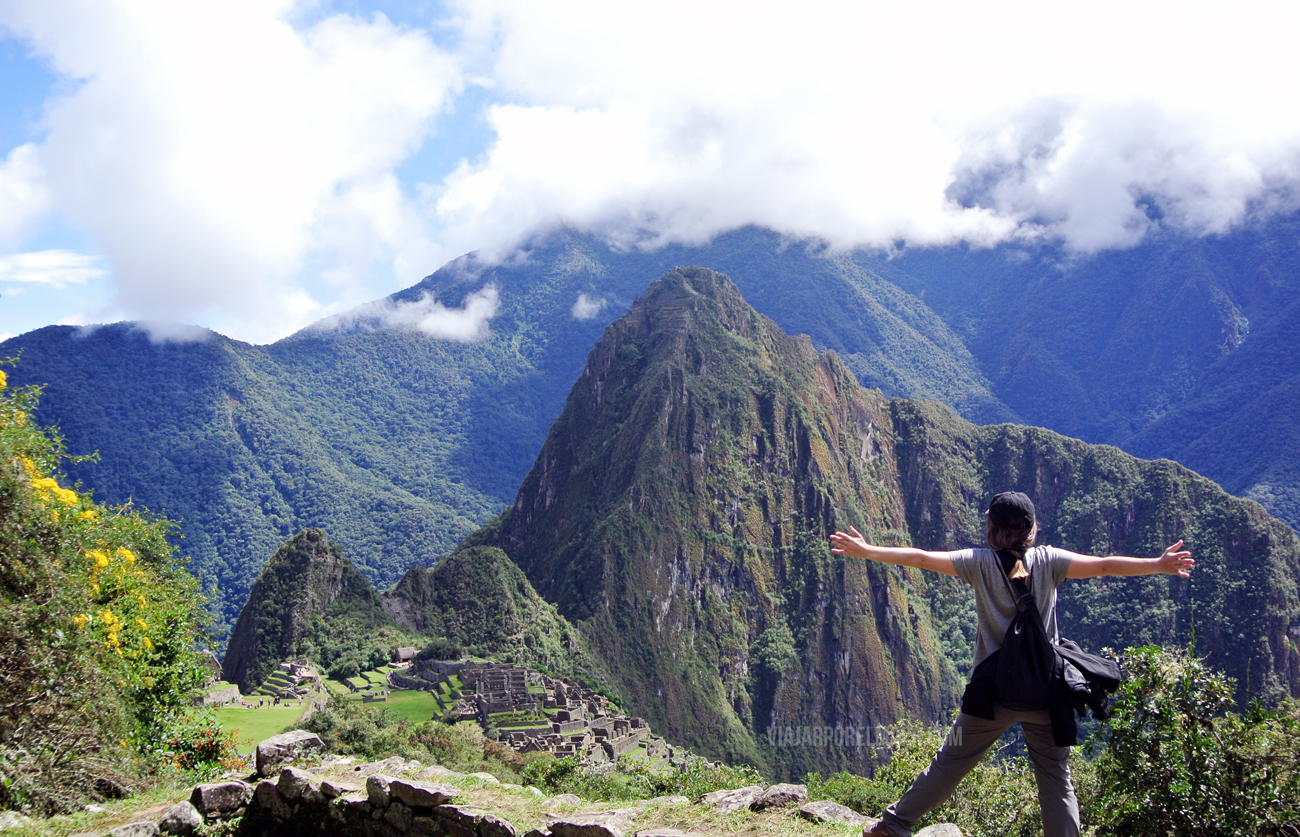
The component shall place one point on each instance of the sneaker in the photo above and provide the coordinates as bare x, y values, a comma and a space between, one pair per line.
877, 829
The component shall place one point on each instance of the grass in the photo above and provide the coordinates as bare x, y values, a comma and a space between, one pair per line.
412, 705
254, 725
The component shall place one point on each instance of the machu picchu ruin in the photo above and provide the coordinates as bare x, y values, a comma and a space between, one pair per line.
532, 712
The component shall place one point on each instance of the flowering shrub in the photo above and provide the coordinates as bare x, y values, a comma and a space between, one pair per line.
97, 628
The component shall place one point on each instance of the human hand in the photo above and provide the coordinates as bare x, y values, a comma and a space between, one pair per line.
850, 543
1176, 561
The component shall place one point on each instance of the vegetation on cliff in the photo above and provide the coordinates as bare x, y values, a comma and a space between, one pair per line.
310, 602
98, 624
400, 445
679, 509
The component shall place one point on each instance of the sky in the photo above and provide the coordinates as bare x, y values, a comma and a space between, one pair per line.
254, 166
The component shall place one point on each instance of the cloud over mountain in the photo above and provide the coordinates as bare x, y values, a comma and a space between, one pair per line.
257, 165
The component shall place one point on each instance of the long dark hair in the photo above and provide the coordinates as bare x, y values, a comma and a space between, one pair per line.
1016, 540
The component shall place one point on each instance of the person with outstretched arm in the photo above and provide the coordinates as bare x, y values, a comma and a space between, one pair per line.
1011, 529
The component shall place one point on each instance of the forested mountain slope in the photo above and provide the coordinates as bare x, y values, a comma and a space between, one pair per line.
680, 507
399, 444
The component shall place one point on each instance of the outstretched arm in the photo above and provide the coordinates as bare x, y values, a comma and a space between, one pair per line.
855, 546
1173, 561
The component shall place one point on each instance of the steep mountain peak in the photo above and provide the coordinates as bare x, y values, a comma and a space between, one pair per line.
679, 507
306, 579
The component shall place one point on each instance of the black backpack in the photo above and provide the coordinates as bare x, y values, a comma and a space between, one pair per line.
1023, 678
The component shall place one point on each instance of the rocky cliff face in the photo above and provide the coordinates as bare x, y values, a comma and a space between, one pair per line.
1240, 607
679, 509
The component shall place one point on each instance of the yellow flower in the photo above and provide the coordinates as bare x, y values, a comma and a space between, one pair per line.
126, 555
81, 620
88, 514
144, 626
148, 643
4, 380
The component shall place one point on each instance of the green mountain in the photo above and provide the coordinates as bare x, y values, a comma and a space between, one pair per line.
1181, 347
397, 443
310, 601
400, 444
478, 598
679, 510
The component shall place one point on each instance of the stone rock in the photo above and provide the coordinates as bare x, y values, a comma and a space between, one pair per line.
534, 792
780, 796
485, 777
398, 816
355, 804
826, 811
220, 799
726, 801
538, 832
145, 828
563, 799
668, 800
181, 819
286, 747
939, 829
333, 789
493, 826
377, 789
390, 766
294, 783
437, 771
664, 832
12, 819
419, 794
332, 760
607, 824
465, 816
268, 802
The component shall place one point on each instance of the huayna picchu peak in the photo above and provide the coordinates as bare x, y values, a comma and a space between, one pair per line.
679, 509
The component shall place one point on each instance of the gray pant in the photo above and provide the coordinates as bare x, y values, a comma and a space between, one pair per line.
967, 743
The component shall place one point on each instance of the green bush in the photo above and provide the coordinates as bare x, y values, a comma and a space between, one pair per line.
997, 799
1178, 761
97, 631
634, 778
375, 732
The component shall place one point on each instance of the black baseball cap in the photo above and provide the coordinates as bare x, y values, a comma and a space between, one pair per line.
1012, 510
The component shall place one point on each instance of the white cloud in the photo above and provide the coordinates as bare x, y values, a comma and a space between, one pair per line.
586, 308
863, 122
247, 173
216, 153
56, 268
24, 196
466, 324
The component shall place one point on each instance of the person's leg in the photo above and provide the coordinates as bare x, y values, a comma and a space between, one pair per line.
1052, 771
968, 741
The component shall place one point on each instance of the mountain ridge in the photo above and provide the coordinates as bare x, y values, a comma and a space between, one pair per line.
678, 514
417, 441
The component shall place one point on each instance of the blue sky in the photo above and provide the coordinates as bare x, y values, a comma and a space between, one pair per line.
256, 165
